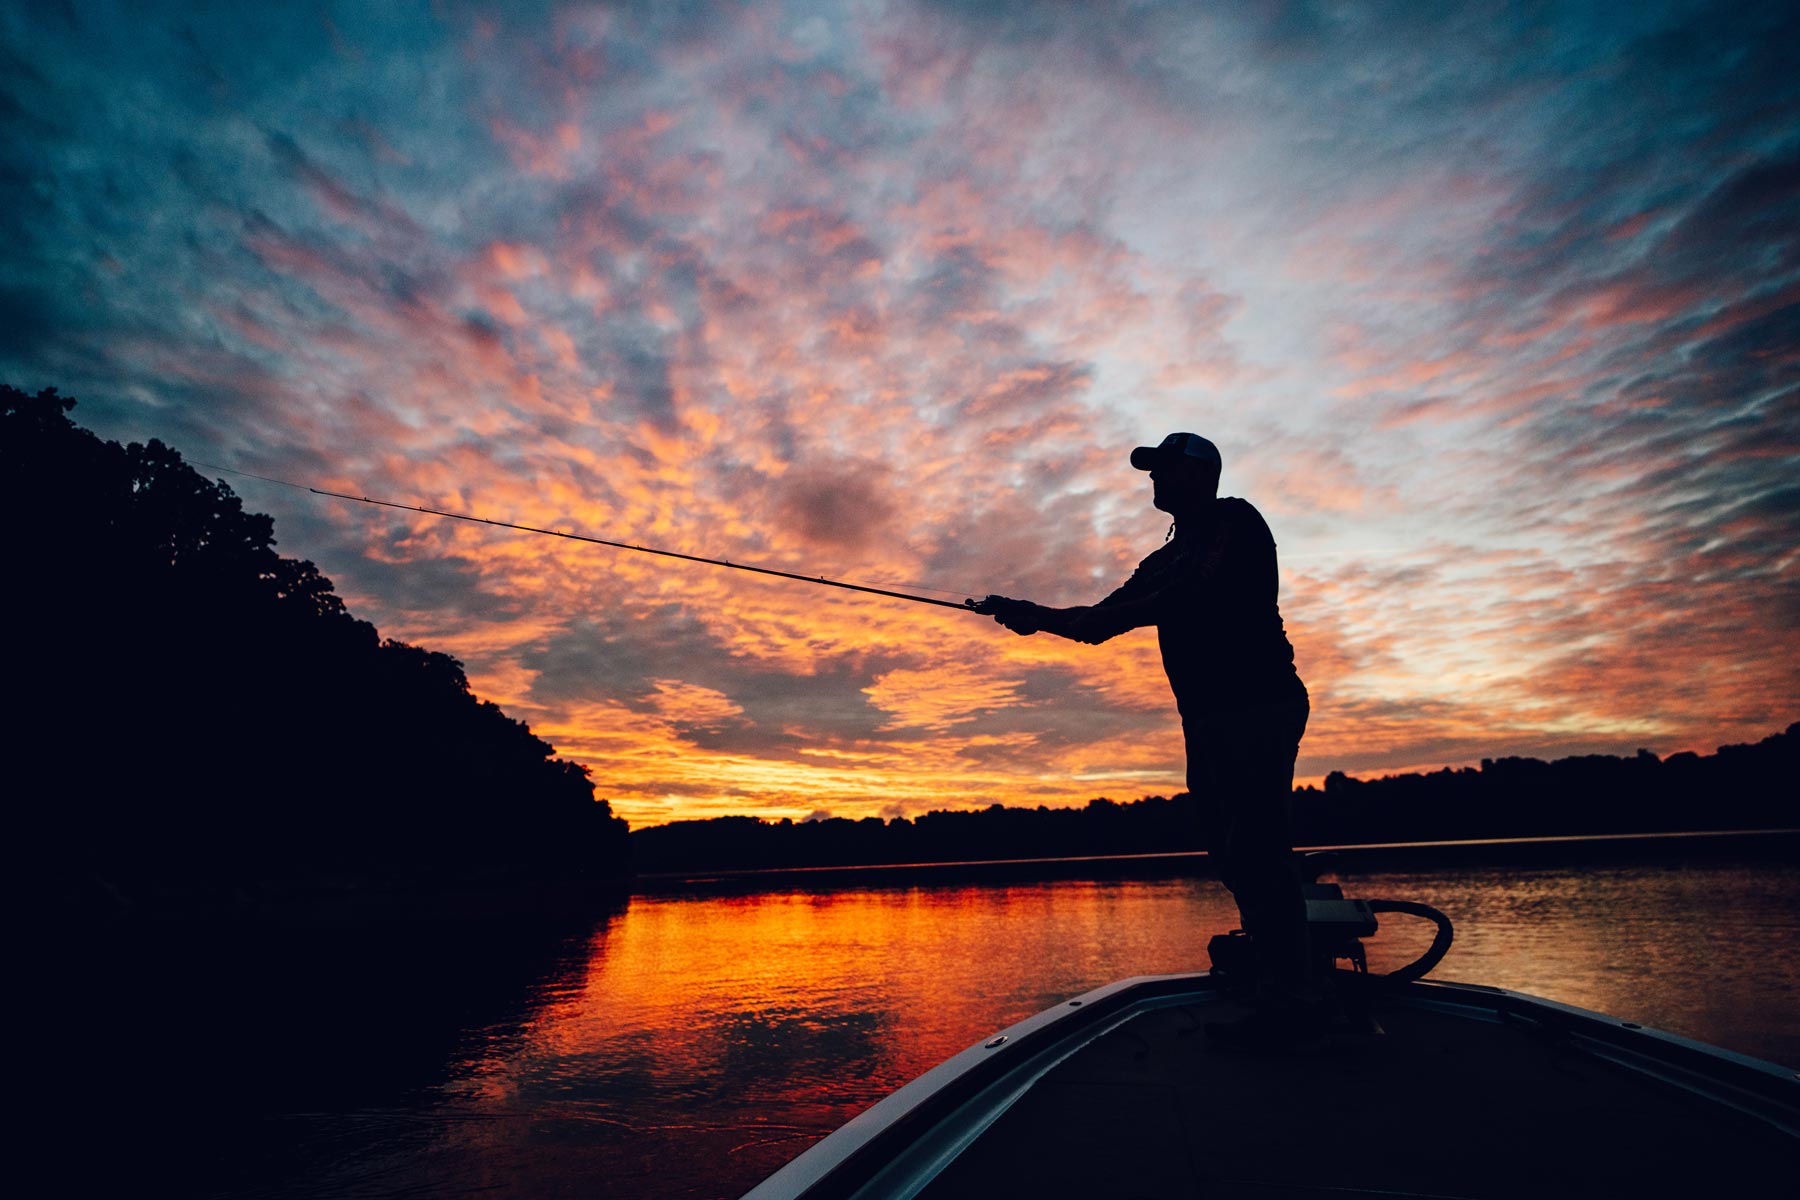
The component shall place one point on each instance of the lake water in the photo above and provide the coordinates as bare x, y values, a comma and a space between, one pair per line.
687, 1046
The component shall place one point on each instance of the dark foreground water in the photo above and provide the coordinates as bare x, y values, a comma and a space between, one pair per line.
686, 1046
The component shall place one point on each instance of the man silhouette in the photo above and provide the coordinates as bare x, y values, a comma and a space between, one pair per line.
1211, 593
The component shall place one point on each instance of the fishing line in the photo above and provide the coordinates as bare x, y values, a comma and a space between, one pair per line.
580, 537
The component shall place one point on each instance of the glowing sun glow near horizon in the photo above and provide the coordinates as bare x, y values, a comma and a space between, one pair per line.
1493, 312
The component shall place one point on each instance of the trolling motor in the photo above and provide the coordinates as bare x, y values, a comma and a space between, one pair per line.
1336, 926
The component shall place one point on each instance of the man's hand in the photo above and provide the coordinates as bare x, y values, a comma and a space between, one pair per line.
1020, 616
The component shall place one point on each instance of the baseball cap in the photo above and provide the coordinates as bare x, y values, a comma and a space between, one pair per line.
1176, 445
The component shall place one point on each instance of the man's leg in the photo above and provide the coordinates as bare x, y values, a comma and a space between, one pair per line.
1241, 769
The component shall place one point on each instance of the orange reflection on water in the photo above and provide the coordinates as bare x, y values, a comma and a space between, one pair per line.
820, 1003
747, 1027
690, 1045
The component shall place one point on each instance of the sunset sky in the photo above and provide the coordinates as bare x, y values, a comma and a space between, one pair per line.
1493, 310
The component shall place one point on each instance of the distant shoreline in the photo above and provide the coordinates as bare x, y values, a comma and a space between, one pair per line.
1782, 844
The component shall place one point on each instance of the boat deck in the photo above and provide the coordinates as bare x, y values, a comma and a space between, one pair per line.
1466, 1092
1439, 1105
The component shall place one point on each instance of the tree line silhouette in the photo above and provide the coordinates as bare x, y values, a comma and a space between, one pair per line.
1739, 787
197, 716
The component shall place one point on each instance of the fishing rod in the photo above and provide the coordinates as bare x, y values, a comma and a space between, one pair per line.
963, 606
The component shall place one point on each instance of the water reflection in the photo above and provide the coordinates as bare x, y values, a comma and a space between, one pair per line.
719, 1036
250, 1060
1710, 951
722, 1034
685, 1047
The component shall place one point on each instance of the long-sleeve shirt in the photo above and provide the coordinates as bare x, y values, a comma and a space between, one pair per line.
1211, 593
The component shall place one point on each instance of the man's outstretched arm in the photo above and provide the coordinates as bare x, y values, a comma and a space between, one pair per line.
1159, 587
1091, 624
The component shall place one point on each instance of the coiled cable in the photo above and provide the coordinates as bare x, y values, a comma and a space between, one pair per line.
1421, 966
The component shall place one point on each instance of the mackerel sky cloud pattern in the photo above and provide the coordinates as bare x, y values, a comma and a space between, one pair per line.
1493, 310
